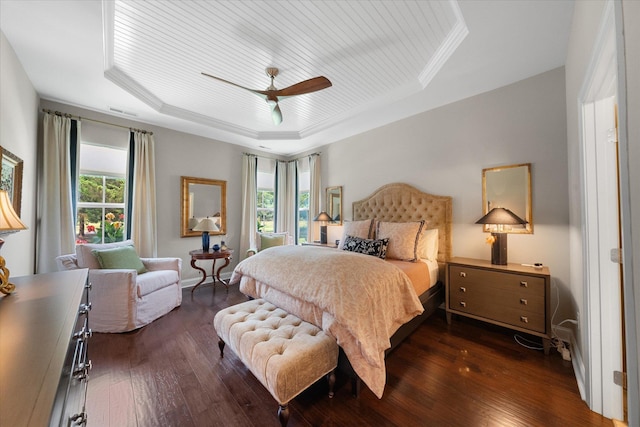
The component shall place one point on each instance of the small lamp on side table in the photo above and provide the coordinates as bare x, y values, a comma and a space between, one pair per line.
9, 223
206, 225
500, 217
323, 218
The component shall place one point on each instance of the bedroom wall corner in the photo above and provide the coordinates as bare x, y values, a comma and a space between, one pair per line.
443, 151
18, 134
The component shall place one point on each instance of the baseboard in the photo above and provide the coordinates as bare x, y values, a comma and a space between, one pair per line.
190, 283
567, 335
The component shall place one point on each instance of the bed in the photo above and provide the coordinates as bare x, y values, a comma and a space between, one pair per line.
333, 290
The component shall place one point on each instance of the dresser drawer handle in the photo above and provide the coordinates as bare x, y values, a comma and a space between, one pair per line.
463, 274
524, 284
78, 419
523, 301
463, 304
524, 319
463, 289
84, 308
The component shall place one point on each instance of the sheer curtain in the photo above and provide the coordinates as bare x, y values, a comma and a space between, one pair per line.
249, 206
55, 234
315, 195
142, 201
286, 197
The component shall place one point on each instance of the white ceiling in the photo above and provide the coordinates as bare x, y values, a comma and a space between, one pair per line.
386, 59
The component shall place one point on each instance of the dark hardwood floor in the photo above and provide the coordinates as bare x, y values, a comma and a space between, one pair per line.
169, 373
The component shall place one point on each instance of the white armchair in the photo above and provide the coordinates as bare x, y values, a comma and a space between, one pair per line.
267, 240
121, 299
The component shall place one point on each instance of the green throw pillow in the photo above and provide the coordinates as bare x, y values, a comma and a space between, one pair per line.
120, 257
268, 241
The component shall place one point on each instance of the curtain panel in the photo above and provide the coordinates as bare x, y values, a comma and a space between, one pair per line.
142, 194
315, 196
55, 232
249, 225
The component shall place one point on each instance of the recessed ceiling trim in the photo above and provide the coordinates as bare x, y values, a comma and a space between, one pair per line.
119, 78
446, 48
181, 113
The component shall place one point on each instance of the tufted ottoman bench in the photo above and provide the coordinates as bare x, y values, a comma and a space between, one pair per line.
284, 353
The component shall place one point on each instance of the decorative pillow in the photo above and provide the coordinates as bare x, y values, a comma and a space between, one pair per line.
120, 257
403, 238
86, 258
270, 240
377, 248
428, 244
362, 229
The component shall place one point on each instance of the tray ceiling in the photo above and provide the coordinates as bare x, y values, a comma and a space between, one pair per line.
381, 56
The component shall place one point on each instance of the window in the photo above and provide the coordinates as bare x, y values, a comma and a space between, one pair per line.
266, 202
101, 194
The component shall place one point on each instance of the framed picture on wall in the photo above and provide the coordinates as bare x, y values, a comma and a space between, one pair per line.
11, 177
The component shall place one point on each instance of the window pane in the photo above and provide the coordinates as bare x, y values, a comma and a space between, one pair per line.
114, 225
89, 225
90, 189
303, 224
114, 193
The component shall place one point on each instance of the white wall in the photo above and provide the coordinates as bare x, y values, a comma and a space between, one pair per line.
443, 151
18, 134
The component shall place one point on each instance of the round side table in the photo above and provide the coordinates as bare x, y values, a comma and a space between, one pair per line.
214, 255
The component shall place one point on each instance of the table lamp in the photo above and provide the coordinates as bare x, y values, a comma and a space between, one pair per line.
206, 225
500, 217
9, 223
323, 218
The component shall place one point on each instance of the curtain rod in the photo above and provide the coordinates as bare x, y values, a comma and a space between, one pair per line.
270, 158
71, 116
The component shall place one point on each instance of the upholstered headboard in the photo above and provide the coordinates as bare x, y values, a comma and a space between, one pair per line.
402, 202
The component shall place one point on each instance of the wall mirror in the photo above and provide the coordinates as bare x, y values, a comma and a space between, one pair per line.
11, 177
509, 187
203, 198
334, 204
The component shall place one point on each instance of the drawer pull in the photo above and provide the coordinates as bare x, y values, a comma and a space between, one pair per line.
524, 319
463, 274
84, 308
78, 419
523, 301
463, 289
524, 284
463, 304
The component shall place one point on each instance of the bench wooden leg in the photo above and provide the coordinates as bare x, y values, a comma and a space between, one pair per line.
283, 414
331, 378
356, 383
221, 347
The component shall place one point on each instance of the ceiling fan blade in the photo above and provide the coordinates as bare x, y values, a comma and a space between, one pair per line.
261, 93
307, 86
276, 114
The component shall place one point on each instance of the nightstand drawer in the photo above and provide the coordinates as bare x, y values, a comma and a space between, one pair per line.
497, 282
507, 308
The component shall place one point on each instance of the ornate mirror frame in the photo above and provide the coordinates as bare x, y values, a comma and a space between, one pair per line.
11, 177
202, 197
509, 187
334, 204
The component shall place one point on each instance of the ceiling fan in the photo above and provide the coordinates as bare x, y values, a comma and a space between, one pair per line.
273, 95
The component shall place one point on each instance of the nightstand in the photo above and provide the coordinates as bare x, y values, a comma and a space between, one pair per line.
324, 245
512, 295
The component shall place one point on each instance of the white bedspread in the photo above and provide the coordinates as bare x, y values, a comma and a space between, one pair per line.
359, 299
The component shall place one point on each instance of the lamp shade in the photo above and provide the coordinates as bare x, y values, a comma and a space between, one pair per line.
9, 220
501, 216
322, 216
193, 221
207, 224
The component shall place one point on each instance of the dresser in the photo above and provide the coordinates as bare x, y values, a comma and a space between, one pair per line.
44, 331
513, 296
